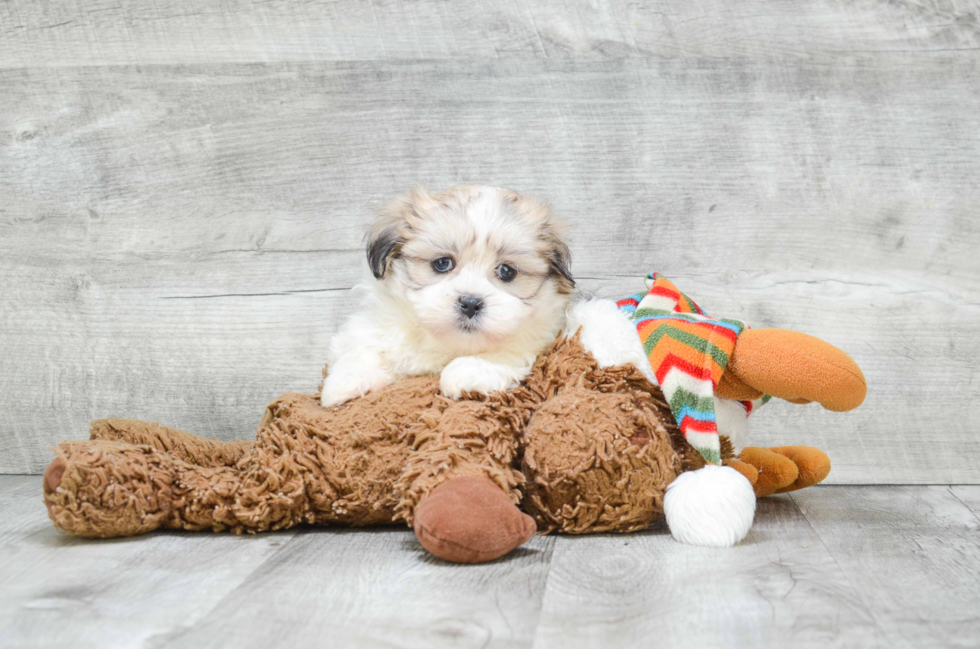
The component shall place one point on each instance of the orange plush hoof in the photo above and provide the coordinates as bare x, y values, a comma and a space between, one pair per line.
775, 471
812, 463
750, 472
781, 468
796, 367
471, 520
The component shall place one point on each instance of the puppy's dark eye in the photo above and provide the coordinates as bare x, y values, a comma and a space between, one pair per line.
443, 264
506, 273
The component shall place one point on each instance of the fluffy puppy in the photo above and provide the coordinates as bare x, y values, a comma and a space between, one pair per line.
472, 283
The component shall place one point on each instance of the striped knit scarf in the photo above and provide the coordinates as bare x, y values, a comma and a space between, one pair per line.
688, 352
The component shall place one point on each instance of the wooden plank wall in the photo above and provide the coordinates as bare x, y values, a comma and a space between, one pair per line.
184, 187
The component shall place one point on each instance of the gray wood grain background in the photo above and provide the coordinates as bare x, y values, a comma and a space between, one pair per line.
184, 188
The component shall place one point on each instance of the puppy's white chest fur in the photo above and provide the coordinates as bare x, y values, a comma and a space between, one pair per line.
472, 283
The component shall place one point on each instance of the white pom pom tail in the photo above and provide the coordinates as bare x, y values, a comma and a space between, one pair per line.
713, 506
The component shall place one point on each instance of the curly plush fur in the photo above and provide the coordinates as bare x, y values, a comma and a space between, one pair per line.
586, 449
584, 445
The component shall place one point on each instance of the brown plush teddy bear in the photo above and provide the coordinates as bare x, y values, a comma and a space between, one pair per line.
585, 444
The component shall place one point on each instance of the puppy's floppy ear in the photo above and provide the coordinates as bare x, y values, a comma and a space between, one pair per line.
556, 252
380, 250
560, 258
382, 244
392, 226
553, 249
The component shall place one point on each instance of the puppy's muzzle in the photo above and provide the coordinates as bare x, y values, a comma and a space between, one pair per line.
470, 305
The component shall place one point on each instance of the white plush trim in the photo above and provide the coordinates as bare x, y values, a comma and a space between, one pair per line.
609, 335
713, 506
733, 422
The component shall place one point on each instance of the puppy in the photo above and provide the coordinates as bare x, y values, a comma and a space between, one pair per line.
472, 283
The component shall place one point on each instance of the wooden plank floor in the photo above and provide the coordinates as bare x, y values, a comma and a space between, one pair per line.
888, 566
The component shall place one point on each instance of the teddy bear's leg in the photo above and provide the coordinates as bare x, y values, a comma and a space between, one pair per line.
598, 461
792, 366
86, 496
107, 489
459, 490
186, 446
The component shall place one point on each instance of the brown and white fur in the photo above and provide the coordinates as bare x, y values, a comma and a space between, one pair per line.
479, 319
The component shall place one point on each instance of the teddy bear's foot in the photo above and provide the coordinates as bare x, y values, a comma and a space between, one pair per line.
470, 519
106, 489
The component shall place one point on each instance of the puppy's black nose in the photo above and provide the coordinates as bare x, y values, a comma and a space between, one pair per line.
470, 305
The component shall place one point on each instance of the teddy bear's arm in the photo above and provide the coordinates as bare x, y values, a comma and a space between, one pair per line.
460, 488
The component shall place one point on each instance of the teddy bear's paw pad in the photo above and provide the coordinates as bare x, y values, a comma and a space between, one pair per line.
470, 519
713, 506
53, 475
52, 480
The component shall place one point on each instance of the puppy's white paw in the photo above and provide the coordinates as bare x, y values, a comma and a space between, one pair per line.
475, 374
344, 385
